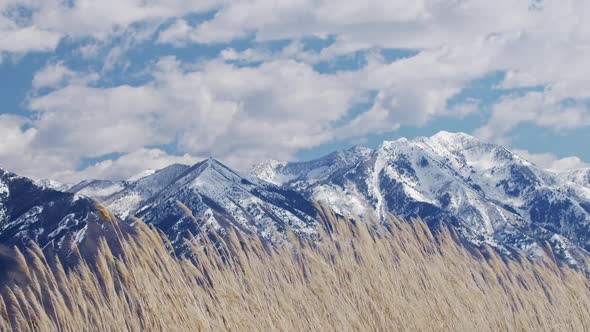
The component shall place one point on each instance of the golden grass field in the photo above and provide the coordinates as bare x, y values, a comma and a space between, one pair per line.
407, 279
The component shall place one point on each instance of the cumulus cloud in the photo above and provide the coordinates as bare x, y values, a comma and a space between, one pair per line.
247, 104
28, 26
551, 162
99, 19
539, 108
56, 74
128, 165
18, 151
18, 36
27, 39
17, 154
541, 43
238, 114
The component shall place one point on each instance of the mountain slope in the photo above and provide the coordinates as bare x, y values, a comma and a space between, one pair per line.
181, 200
139, 190
220, 197
578, 176
99, 189
56, 221
488, 193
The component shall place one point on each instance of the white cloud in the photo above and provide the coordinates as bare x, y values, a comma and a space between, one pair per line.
52, 75
247, 56
278, 103
551, 162
78, 120
89, 50
14, 138
19, 152
128, 165
56, 74
99, 19
539, 108
538, 44
237, 114
27, 39
30, 25
179, 33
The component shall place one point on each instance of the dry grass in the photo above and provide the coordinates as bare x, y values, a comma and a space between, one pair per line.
407, 280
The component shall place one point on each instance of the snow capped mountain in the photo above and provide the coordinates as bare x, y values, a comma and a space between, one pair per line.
488, 193
222, 198
140, 188
484, 191
180, 200
279, 173
52, 184
55, 220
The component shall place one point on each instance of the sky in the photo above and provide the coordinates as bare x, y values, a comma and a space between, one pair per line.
106, 89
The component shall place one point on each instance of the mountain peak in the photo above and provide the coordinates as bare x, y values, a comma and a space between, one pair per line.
209, 163
451, 141
458, 143
454, 137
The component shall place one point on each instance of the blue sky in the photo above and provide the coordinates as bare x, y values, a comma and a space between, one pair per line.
107, 89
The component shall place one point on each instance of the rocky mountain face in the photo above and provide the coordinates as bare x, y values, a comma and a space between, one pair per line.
222, 198
57, 221
132, 193
180, 200
489, 194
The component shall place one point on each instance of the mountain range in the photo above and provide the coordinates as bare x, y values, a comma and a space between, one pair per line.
485, 191
488, 194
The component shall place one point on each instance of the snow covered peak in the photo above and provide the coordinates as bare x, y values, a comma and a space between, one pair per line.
455, 142
488, 193
457, 137
210, 172
445, 144
134, 193
51, 184
160, 178
219, 196
354, 153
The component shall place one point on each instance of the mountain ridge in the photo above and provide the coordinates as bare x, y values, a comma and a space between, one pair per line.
489, 194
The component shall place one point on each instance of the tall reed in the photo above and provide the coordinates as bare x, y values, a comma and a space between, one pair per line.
358, 277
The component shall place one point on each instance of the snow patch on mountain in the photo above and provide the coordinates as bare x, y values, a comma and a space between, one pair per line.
3, 196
